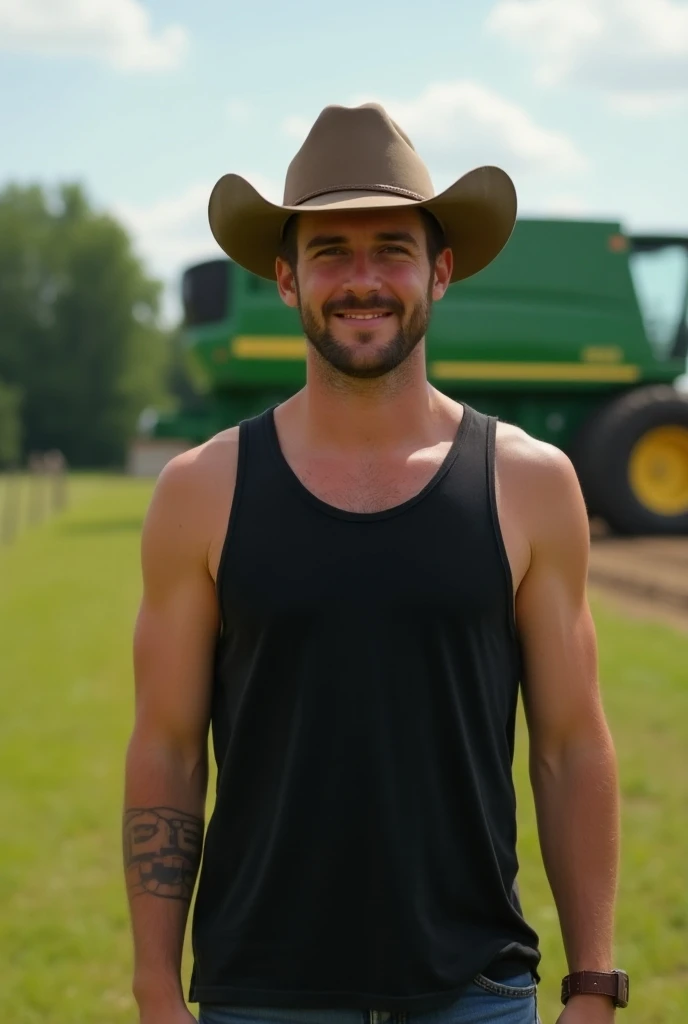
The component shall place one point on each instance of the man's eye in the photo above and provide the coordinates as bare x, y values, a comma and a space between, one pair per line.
395, 248
332, 251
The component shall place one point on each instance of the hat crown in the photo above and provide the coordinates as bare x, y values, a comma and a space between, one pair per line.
352, 148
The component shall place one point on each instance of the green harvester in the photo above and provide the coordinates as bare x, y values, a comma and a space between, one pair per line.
577, 332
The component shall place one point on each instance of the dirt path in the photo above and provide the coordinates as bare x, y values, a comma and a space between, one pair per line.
645, 576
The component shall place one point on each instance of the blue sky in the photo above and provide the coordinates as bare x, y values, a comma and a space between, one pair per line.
583, 102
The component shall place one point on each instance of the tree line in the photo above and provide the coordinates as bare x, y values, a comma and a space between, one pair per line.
82, 350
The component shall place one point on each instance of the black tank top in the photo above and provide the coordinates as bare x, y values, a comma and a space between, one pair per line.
361, 853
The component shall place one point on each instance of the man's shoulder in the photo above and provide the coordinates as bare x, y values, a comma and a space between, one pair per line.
535, 461
539, 485
195, 489
202, 465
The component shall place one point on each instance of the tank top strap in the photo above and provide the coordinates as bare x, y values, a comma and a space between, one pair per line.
470, 462
254, 438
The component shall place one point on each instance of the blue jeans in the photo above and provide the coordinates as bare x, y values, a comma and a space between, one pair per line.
513, 1001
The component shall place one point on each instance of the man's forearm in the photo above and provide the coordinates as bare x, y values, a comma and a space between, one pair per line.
162, 842
576, 799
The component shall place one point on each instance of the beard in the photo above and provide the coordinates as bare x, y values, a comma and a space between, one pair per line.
343, 358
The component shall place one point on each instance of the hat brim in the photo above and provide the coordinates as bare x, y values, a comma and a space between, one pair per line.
477, 213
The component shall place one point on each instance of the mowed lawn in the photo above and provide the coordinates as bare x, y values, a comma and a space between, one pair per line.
68, 597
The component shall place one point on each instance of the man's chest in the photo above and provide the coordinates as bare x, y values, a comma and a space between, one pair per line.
369, 485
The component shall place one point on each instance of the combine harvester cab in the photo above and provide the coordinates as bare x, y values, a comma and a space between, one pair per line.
577, 333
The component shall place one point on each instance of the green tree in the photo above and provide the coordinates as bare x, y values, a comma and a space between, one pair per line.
79, 325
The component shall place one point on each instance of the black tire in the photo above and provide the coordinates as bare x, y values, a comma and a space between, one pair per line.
583, 453
602, 455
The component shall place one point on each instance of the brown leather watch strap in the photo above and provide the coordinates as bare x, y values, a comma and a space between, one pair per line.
614, 985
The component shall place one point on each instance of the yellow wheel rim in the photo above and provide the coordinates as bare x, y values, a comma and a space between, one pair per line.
658, 470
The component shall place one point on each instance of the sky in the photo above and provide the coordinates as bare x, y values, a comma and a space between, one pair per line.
147, 103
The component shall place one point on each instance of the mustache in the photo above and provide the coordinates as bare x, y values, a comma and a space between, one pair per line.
351, 304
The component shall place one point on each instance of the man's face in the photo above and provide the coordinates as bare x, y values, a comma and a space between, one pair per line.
364, 287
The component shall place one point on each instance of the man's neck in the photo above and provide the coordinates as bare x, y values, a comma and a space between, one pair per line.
341, 414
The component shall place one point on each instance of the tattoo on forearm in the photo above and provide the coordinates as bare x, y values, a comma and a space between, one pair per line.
162, 851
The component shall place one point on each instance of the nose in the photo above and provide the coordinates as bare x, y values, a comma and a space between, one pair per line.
363, 277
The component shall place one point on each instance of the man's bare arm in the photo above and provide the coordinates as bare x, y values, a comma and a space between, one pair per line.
166, 768
572, 760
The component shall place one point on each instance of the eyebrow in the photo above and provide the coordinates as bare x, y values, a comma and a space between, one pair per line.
396, 236
321, 241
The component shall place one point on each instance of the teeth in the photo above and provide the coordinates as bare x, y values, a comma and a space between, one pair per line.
367, 316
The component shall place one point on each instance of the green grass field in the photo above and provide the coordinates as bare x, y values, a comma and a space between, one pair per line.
68, 597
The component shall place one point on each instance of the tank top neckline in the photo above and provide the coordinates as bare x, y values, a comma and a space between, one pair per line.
385, 513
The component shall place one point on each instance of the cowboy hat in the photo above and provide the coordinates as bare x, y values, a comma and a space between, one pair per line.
358, 158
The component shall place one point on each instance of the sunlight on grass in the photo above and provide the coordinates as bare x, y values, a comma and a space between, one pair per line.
68, 597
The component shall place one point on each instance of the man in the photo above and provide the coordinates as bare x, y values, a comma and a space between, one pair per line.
353, 587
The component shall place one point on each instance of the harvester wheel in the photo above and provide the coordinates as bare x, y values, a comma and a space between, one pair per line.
583, 455
632, 460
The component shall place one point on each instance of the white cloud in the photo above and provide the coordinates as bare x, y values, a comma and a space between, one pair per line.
118, 32
626, 48
461, 124
463, 118
173, 232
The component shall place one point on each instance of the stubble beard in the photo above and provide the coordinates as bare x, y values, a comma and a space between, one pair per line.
397, 350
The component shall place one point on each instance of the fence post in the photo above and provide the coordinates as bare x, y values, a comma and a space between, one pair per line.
56, 466
9, 519
46, 493
37, 488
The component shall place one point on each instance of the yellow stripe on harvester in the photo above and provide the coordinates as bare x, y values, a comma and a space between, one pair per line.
270, 347
463, 370
291, 347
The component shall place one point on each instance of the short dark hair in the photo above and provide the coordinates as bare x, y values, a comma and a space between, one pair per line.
435, 238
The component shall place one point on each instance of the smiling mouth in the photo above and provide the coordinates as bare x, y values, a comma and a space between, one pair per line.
364, 316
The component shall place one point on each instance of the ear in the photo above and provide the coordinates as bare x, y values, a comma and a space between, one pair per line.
286, 283
444, 265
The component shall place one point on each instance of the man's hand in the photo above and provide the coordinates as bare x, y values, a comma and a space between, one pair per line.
588, 1010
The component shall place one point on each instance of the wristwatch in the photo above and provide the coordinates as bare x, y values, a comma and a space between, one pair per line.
596, 983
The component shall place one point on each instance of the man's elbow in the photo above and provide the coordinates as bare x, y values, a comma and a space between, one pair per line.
156, 752
586, 747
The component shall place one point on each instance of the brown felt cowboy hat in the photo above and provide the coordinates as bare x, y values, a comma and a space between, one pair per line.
357, 158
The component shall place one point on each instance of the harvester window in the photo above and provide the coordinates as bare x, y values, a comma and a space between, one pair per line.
660, 274
206, 293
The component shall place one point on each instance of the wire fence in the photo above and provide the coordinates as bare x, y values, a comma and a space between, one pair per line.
31, 495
